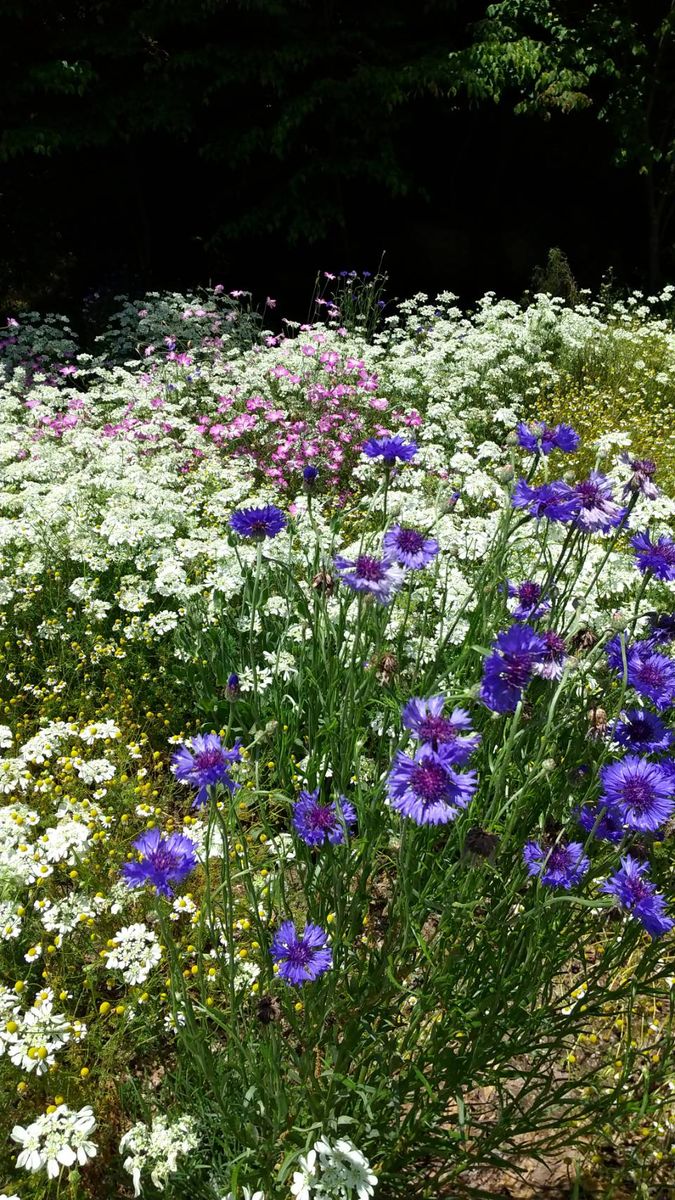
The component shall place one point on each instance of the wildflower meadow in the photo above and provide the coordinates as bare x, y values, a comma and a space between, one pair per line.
337, 746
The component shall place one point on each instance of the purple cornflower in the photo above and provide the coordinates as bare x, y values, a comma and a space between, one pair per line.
530, 606
556, 501
641, 791
640, 729
649, 673
509, 669
561, 866
541, 439
657, 557
380, 577
317, 823
639, 896
232, 688
598, 509
604, 823
301, 957
426, 789
310, 476
258, 523
644, 470
424, 718
653, 675
389, 449
554, 657
203, 763
410, 547
165, 860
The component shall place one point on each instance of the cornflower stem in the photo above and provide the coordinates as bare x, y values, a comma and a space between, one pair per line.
251, 629
505, 754
621, 527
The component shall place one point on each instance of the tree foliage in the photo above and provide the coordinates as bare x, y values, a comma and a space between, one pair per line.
290, 102
615, 56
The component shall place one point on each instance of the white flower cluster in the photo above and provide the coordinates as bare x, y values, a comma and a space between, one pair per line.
334, 1172
33, 1036
60, 1138
135, 952
153, 1150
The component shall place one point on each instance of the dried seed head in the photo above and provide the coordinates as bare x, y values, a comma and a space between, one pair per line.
480, 842
583, 640
269, 1010
386, 667
323, 582
597, 722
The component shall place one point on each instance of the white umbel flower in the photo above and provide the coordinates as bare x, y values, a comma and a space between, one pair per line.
57, 1139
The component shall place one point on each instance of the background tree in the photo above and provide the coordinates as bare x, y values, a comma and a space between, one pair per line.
617, 57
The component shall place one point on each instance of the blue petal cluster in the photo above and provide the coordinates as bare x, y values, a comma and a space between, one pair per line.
256, 524
317, 823
656, 557
425, 719
389, 449
556, 501
563, 865
379, 577
164, 861
301, 958
410, 547
205, 762
639, 897
509, 669
640, 792
541, 439
426, 788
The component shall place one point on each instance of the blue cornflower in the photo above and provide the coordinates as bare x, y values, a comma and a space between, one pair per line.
641, 791
301, 957
530, 606
541, 439
310, 476
426, 789
424, 718
618, 646
553, 660
662, 629
258, 523
410, 547
640, 729
317, 823
657, 557
389, 449
507, 671
560, 866
653, 675
598, 509
639, 896
556, 501
165, 860
380, 577
232, 688
604, 823
205, 762
644, 470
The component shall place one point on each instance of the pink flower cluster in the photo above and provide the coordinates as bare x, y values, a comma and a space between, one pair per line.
319, 416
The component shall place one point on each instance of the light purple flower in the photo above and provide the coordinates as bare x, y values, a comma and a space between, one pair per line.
410, 547
379, 577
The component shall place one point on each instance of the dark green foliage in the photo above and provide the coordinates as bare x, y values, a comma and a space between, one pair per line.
324, 89
613, 56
